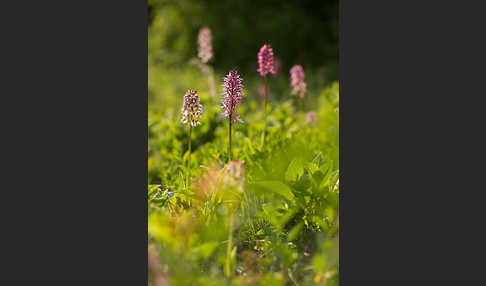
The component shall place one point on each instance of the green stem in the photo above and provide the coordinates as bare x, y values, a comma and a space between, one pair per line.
230, 246
189, 158
229, 147
212, 84
265, 98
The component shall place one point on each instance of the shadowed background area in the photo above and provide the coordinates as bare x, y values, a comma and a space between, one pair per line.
300, 32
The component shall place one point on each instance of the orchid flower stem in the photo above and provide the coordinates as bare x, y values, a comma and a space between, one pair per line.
265, 99
212, 84
229, 147
189, 157
233, 95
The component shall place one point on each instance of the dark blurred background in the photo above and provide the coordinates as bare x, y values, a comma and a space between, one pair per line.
300, 31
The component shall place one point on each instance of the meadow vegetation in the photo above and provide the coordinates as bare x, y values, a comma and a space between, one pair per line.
268, 216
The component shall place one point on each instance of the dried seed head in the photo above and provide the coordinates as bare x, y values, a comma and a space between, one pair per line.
265, 60
205, 47
233, 95
191, 109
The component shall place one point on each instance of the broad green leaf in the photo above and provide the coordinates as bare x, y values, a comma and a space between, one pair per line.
316, 163
206, 249
276, 187
294, 170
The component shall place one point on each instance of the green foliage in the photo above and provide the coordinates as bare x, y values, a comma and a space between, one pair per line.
271, 217
274, 222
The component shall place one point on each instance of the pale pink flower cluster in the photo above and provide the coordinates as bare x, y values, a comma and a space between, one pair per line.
297, 81
233, 91
276, 66
192, 108
205, 46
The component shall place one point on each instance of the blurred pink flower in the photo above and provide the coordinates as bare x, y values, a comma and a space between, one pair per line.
311, 117
297, 81
265, 60
205, 47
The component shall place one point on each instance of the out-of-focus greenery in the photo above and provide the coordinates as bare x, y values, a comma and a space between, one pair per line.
283, 202
300, 31
271, 216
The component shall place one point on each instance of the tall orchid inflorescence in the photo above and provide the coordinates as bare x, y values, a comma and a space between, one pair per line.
233, 91
233, 95
297, 81
205, 47
265, 60
191, 109
265, 66
191, 113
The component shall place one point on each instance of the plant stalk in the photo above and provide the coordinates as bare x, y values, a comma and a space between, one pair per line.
229, 147
189, 156
212, 84
265, 99
230, 246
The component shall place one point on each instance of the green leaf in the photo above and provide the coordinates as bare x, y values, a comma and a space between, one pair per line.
319, 262
334, 181
327, 166
250, 145
186, 156
282, 221
206, 249
318, 160
294, 170
260, 233
295, 231
153, 190
316, 163
276, 187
